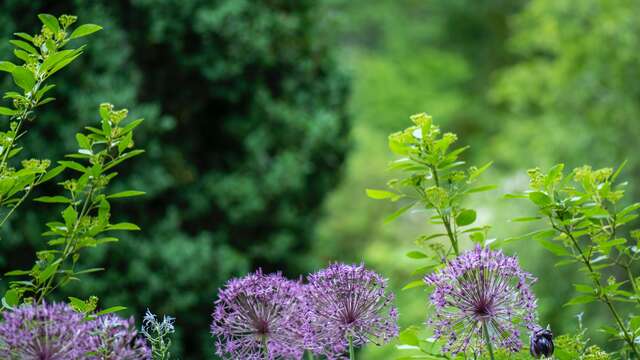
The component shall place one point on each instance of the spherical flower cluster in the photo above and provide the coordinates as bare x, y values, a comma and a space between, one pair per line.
49, 331
259, 317
117, 339
270, 317
349, 302
56, 331
477, 290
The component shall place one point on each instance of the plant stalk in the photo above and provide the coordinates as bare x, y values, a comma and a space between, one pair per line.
352, 351
487, 339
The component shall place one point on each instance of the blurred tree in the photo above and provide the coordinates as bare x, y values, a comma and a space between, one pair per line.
246, 132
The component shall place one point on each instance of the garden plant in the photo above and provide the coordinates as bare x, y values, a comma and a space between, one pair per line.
479, 301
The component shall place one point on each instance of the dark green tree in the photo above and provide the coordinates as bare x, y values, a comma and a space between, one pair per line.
245, 134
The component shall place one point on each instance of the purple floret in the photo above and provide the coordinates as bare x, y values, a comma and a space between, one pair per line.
117, 339
349, 301
57, 332
260, 314
481, 288
48, 331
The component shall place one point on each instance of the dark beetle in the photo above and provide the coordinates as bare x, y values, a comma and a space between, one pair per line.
541, 343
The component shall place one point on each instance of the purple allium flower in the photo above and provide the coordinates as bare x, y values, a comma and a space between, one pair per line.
481, 288
117, 339
259, 314
349, 301
44, 332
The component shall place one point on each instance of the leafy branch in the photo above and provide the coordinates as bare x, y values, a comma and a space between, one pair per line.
42, 55
581, 209
86, 218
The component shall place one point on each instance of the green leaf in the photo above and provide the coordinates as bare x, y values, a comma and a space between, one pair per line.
51, 174
466, 217
382, 194
69, 215
50, 21
124, 194
84, 30
397, 213
526, 219
581, 299
409, 336
24, 46
123, 226
7, 112
7, 66
48, 271
53, 199
558, 250
539, 198
11, 299
480, 189
414, 284
23, 77
73, 165
416, 255
111, 310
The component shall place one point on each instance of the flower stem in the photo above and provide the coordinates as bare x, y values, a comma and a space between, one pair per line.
352, 351
265, 348
309, 355
487, 339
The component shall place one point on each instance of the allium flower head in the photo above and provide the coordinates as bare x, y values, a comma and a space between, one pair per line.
481, 288
44, 332
259, 314
350, 301
117, 339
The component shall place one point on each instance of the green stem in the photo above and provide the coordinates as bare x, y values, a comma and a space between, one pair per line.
309, 355
604, 297
487, 340
352, 351
265, 348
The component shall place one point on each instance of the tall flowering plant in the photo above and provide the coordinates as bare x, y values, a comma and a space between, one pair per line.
480, 298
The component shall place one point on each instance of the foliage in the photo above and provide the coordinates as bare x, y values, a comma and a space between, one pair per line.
247, 132
42, 55
587, 223
434, 182
86, 218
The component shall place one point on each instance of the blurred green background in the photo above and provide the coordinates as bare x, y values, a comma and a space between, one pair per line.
266, 120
